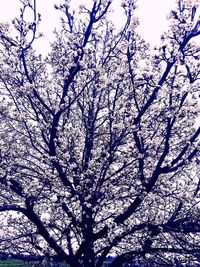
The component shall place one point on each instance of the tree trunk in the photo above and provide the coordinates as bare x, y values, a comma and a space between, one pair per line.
88, 255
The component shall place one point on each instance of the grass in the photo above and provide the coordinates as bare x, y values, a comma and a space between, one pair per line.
21, 263
13, 263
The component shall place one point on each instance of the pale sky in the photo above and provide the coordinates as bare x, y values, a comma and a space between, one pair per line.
152, 15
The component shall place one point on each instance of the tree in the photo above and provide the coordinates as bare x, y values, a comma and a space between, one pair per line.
99, 139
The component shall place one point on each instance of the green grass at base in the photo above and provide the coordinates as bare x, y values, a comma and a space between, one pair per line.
13, 263
21, 263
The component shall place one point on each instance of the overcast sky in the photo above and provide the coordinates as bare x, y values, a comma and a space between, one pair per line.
152, 15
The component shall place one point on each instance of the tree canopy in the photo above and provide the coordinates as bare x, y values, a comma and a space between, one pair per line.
99, 138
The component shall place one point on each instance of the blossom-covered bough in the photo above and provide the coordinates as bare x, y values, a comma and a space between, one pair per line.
99, 139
